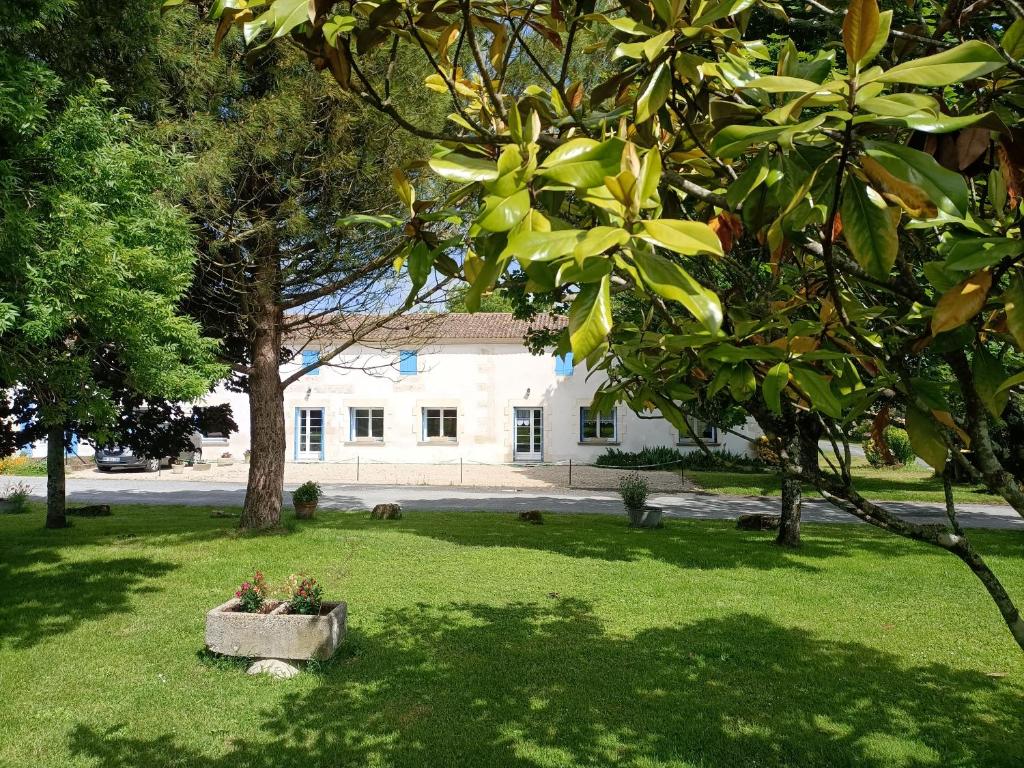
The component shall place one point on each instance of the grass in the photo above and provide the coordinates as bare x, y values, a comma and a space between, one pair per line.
910, 483
476, 640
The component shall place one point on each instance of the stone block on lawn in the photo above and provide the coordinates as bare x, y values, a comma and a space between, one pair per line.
387, 512
758, 522
278, 668
534, 517
275, 635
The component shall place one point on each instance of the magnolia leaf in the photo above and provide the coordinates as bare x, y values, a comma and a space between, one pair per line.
500, 214
910, 197
463, 168
1013, 40
654, 93
962, 302
967, 60
598, 240
671, 281
976, 252
946, 189
881, 37
533, 245
583, 163
818, 389
988, 374
774, 382
860, 27
1013, 303
868, 229
590, 317
926, 438
686, 237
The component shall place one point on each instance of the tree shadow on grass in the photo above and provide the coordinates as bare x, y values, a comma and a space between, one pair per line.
44, 595
543, 684
698, 544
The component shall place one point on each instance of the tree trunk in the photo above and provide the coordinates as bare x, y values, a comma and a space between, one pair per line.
55, 485
266, 406
789, 514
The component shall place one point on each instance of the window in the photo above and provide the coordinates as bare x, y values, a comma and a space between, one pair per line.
215, 438
407, 362
440, 424
311, 357
706, 432
309, 433
597, 427
563, 364
367, 424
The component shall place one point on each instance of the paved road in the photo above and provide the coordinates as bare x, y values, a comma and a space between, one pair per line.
125, 490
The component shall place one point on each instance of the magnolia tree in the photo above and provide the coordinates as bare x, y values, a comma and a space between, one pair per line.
803, 224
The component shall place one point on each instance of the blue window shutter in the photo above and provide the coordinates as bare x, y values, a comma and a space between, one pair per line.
298, 415
309, 357
407, 362
563, 364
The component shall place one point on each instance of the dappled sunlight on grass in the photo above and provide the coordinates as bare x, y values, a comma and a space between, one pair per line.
476, 640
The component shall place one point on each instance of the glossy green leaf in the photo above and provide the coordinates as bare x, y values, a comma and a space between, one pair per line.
463, 168
967, 60
868, 229
686, 237
654, 93
733, 140
974, 253
532, 245
590, 317
945, 188
988, 374
583, 163
926, 438
774, 382
1013, 40
670, 281
500, 214
1013, 303
818, 389
598, 240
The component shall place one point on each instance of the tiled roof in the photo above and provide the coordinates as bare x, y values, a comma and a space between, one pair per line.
439, 327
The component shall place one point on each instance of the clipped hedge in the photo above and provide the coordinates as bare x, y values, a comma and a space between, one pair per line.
665, 457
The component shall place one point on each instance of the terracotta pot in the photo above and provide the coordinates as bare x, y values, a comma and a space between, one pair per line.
305, 511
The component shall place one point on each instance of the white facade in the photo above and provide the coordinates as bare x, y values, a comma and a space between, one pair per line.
482, 400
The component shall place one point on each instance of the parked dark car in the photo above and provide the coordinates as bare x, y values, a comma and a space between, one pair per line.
117, 457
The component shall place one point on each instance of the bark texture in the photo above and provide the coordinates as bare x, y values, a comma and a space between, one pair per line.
55, 485
266, 407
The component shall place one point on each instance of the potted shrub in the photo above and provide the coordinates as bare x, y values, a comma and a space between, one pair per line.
14, 499
305, 498
634, 490
302, 626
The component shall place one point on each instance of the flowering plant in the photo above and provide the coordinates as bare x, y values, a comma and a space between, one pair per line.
252, 593
305, 594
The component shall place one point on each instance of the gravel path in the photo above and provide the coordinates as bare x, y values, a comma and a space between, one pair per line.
125, 489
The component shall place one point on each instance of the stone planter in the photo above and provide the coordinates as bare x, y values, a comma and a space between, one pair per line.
201, 467
305, 511
177, 469
275, 635
225, 462
645, 517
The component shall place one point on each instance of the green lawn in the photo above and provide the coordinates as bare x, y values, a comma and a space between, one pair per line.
476, 640
912, 483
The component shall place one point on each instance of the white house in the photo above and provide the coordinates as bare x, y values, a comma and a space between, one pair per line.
471, 390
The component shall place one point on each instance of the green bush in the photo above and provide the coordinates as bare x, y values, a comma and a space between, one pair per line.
899, 446
663, 457
307, 493
634, 490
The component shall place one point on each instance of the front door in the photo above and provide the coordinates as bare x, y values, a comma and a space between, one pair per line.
309, 434
529, 434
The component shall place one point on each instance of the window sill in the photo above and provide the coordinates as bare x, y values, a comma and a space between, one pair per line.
708, 443
598, 442
438, 442
215, 441
364, 442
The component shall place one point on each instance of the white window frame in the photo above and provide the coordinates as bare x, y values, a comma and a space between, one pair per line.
700, 427
599, 420
353, 416
444, 413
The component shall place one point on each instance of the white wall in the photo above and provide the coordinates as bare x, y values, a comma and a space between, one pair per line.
484, 381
